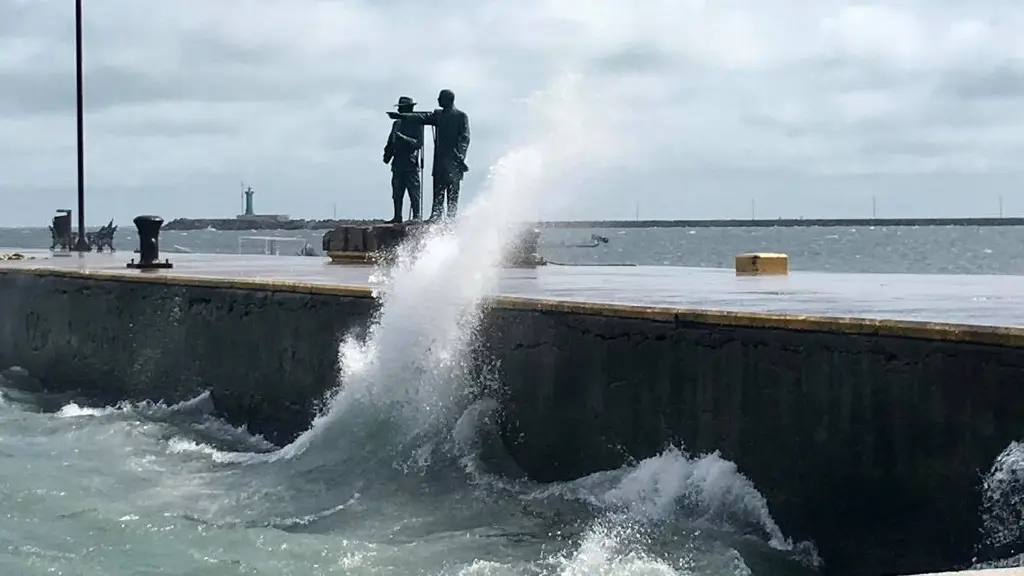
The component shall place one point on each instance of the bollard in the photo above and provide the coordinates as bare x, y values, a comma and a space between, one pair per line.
149, 244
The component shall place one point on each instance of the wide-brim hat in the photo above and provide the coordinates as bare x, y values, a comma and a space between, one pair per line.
405, 101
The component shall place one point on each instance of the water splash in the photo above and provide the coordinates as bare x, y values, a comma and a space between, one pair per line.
1002, 508
411, 366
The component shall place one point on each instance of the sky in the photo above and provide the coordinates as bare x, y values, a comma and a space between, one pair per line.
717, 109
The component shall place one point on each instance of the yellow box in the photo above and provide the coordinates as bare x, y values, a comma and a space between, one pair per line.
762, 264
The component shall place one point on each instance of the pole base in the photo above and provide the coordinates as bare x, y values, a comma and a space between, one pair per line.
165, 265
82, 245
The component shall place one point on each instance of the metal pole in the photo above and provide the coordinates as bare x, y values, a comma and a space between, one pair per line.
81, 245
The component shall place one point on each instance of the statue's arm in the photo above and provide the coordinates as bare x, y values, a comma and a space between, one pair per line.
426, 118
416, 143
462, 148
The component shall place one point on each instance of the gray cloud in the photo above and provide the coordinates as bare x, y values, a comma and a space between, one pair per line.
290, 95
1003, 81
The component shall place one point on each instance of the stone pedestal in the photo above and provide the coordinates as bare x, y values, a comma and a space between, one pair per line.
376, 243
368, 244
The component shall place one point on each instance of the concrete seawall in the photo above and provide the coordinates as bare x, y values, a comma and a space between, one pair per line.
867, 436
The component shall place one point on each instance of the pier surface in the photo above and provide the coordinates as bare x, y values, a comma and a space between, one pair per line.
959, 299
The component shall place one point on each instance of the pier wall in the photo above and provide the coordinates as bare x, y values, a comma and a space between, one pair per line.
268, 356
867, 437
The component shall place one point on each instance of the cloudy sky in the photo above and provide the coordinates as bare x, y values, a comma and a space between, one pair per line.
790, 107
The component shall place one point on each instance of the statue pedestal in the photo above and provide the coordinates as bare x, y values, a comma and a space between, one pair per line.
377, 243
366, 245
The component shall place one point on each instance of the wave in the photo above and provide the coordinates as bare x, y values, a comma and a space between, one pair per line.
669, 514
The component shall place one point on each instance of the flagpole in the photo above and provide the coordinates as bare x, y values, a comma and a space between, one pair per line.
81, 245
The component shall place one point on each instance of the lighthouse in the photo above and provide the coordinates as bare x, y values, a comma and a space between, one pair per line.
249, 213
249, 192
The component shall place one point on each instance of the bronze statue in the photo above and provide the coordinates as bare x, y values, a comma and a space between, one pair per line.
451, 143
402, 151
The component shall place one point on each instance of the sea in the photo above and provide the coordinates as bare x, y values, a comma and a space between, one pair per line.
884, 250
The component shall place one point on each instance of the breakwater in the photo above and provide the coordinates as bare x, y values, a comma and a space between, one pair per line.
786, 223
299, 224
234, 224
866, 436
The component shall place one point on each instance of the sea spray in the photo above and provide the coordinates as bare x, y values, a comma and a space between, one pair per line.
1002, 509
410, 367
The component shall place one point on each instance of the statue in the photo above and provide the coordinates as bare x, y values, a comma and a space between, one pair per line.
451, 143
402, 151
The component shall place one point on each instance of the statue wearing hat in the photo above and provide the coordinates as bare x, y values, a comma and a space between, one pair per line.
451, 143
403, 152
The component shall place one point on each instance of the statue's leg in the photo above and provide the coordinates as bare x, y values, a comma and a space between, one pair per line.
437, 202
453, 197
397, 194
415, 188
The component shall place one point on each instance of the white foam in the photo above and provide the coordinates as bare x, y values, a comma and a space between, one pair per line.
73, 410
612, 551
1003, 502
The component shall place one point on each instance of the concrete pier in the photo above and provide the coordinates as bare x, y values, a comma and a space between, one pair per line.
864, 407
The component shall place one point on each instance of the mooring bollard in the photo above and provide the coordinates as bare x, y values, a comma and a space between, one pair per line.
149, 244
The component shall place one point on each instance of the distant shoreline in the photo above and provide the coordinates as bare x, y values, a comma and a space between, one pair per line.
234, 224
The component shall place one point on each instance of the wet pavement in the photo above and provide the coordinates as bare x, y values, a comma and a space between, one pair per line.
980, 300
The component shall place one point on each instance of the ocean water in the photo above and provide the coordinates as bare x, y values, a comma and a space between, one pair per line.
920, 250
